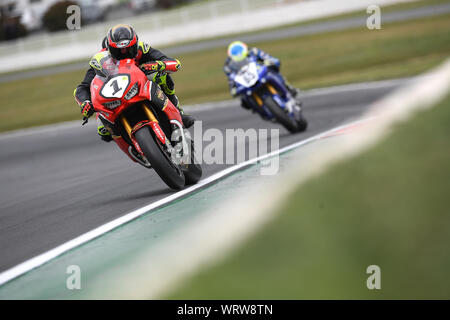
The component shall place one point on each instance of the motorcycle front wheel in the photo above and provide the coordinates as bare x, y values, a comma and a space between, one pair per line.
153, 150
282, 117
194, 170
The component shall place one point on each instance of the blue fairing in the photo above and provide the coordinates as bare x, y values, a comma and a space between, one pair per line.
265, 75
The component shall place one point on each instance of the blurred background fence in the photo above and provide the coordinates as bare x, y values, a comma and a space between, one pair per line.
159, 20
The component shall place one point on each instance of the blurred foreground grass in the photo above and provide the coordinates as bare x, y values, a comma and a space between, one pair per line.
389, 207
398, 50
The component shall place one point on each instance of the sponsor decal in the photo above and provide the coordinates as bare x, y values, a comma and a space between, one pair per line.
139, 125
138, 148
157, 129
123, 43
160, 94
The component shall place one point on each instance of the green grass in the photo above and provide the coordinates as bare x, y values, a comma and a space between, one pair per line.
398, 50
389, 206
353, 14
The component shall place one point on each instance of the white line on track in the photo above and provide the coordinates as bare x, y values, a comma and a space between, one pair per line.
43, 258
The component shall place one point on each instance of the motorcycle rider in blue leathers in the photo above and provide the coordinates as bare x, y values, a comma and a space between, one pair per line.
238, 51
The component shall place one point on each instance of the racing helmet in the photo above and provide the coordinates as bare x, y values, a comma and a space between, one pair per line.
237, 50
105, 43
122, 42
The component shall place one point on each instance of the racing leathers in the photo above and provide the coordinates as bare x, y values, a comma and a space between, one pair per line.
148, 59
271, 62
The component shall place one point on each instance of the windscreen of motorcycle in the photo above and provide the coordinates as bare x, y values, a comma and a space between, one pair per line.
104, 65
107, 69
247, 75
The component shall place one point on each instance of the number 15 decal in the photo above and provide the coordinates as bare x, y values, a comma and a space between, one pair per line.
115, 87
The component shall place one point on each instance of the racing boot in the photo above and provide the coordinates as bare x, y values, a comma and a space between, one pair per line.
295, 92
104, 134
188, 120
292, 90
178, 130
102, 131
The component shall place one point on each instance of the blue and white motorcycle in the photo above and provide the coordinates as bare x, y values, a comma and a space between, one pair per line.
265, 92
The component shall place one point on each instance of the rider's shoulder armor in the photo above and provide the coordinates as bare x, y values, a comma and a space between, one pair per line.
254, 51
98, 58
145, 47
97, 61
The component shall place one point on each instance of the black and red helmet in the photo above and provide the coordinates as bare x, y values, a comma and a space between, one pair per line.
122, 42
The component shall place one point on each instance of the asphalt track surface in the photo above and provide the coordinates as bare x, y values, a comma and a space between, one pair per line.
281, 33
58, 184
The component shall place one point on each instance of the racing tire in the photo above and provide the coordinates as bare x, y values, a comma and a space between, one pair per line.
170, 173
302, 124
194, 171
282, 117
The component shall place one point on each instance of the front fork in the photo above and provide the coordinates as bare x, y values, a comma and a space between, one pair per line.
180, 154
258, 99
273, 90
151, 122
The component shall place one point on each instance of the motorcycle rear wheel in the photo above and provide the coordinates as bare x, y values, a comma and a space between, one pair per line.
170, 173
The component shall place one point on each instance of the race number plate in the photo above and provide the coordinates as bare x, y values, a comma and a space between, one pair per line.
116, 86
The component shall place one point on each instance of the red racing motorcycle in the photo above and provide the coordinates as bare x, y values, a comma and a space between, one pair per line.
122, 96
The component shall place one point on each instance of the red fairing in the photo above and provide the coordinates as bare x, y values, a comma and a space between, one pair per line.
112, 95
127, 67
172, 112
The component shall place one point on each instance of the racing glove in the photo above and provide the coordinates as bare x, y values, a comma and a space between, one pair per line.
272, 64
158, 66
87, 109
233, 92
151, 67
269, 62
